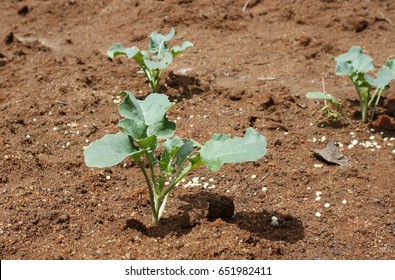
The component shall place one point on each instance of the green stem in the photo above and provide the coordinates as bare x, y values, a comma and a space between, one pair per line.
379, 91
150, 191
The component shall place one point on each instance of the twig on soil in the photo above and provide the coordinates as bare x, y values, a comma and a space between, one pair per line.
245, 6
267, 78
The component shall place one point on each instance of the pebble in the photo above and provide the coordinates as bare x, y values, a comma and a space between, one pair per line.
253, 176
274, 221
344, 201
326, 205
317, 165
318, 214
108, 177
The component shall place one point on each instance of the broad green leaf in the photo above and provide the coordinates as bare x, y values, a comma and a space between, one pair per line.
109, 150
320, 95
133, 52
223, 149
179, 49
151, 112
160, 64
353, 61
383, 77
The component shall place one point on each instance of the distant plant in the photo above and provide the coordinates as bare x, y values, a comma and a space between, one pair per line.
355, 65
156, 59
147, 138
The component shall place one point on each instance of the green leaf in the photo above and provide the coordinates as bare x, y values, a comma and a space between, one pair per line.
109, 150
320, 95
134, 127
391, 65
149, 143
223, 149
179, 49
158, 42
353, 61
160, 64
133, 52
171, 146
195, 162
148, 115
184, 152
383, 77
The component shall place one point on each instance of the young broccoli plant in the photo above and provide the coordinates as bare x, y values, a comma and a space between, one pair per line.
154, 61
355, 64
147, 138
332, 108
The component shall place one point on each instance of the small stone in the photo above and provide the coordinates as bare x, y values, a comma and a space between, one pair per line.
318, 165
274, 223
253, 176
318, 214
344, 201
318, 198
108, 177
326, 205
264, 189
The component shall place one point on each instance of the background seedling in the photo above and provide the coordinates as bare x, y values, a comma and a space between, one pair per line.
332, 108
156, 59
147, 138
355, 65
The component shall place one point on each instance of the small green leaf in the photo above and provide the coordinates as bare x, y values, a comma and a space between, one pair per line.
148, 143
133, 52
172, 145
223, 149
109, 150
320, 95
353, 61
184, 152
158, 42
149, 113
179, 49
383, 77
391, 65
134, 127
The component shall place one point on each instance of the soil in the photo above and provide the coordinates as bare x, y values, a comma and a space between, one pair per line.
251, 65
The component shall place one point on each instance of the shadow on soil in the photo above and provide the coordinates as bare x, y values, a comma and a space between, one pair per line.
187, 86
209, 207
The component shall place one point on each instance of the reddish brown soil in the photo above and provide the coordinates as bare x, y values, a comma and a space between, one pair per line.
249, 67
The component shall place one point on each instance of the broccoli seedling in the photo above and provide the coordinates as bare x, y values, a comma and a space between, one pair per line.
147, 138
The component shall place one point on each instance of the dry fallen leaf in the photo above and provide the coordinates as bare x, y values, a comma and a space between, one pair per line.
331, 154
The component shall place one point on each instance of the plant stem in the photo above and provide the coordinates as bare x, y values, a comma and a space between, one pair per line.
151, 193
362, 100
379, 91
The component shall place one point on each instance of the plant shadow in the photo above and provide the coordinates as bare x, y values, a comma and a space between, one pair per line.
186, 86
207, 206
